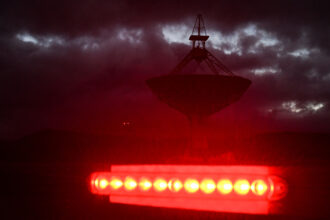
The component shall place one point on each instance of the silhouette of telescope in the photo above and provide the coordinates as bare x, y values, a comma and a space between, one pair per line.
198, 95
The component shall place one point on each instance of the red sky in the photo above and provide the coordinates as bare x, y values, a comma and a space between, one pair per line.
82, 65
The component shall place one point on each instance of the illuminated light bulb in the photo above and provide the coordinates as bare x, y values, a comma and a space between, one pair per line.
191, 185
242, 187
145, 184
115, 183
175, 185
160, 185
103, 183
96, 182
208, 186
259, 187
130, 183
225, 186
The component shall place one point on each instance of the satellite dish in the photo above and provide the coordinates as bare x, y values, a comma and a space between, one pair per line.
195, 94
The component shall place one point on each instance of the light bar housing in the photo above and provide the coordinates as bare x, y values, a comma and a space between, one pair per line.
238, 189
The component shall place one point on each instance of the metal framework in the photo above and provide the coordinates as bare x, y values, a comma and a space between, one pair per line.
199, 53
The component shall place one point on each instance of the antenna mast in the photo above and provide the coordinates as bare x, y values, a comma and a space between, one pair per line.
199, 52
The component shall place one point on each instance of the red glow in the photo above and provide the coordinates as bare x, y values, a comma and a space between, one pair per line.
249, 207
225, 186
259, 187
130, 183
191, 185
175, 185
145, 184
243, 189
160, 185
115, 183
208, 186
103, 183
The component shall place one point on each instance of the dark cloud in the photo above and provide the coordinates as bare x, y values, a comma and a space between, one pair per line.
82, 64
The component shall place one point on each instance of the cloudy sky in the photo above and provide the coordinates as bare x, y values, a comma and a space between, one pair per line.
82, 65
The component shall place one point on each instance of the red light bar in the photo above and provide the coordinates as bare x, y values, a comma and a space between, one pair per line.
240, 189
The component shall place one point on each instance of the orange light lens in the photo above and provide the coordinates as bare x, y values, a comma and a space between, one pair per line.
130, 183
175, 185
160, 185
145, 184
225, 186
191, 185
208, 186
259, 187
242, 187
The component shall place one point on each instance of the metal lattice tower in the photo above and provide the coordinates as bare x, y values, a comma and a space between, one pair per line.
199, 53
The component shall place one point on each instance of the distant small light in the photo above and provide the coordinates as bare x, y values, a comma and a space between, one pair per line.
130, 183
145, 184
259, 187
125, 124
225, 186
115, 183
207, 186
160, 185
191, 185
103, 183
242, 187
